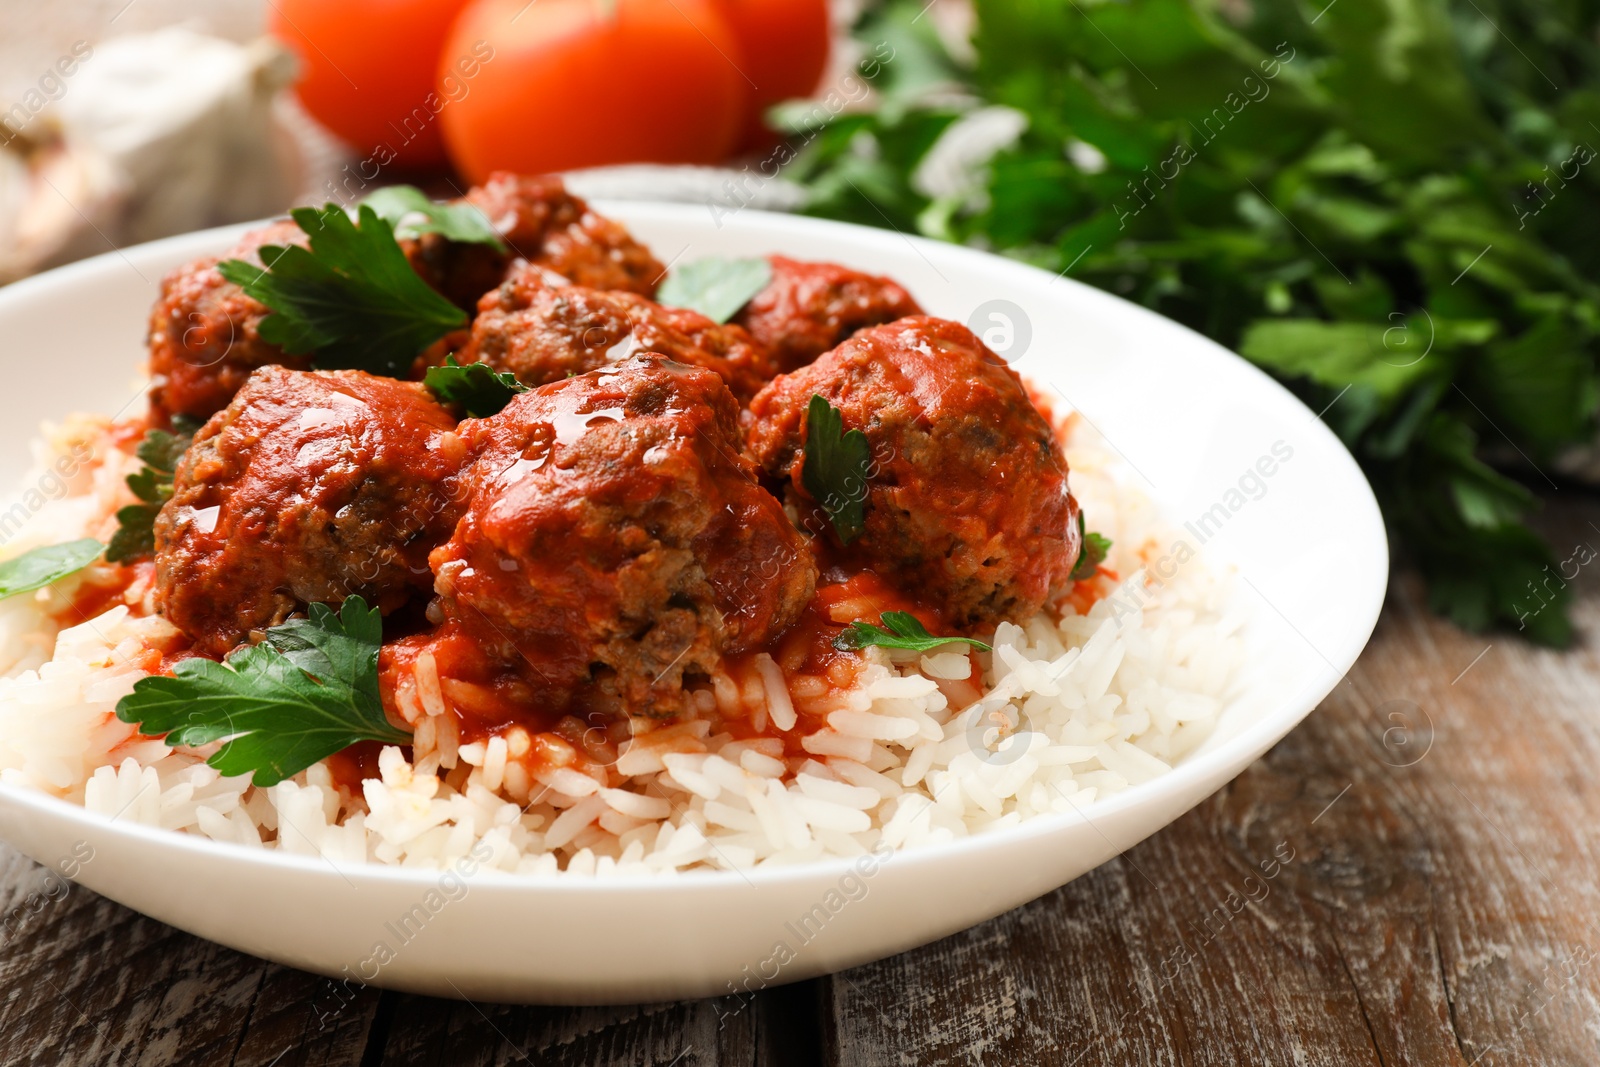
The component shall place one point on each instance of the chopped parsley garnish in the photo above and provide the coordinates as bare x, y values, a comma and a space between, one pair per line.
38, 567
477, 388
351, 298
900, 629
1095, 548
411, 213
160, 451
716, 287
835, 468
307, 691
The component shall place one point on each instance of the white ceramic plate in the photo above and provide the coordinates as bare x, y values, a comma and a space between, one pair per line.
1192, 421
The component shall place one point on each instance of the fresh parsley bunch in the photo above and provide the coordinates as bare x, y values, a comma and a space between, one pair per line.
1387, 203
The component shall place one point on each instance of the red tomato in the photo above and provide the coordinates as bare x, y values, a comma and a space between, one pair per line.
583, 83
369, 68
785, 45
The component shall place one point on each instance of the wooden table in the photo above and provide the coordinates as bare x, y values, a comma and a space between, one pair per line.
1438, 906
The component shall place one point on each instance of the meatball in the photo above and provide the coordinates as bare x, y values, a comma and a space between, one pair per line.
543, 224
966, 498
616, 541
204, 337
309, 487
204, 332
543, 333
808, 308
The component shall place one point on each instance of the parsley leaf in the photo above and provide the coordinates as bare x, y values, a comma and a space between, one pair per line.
900, 630
835, 468
1095, 548
352, 298
309, 690
160, 450
476, 387
715, 286
411, 213
38, 567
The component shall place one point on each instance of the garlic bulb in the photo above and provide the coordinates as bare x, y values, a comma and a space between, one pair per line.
155, 134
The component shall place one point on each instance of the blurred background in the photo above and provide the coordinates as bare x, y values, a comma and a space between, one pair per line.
1388, 204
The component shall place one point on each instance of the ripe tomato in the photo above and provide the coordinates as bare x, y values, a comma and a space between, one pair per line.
582, 83
369, 69
785, 45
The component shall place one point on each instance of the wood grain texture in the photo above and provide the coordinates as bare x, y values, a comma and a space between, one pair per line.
1409, 878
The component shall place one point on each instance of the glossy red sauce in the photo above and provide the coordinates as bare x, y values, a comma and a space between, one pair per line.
1087, 593
171, 659
126, 434
102, 588
486, 697
90, 600
354, 765
490, 700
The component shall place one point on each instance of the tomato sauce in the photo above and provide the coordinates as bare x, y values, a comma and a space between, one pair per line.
104, 587
1087, 593
126, 434
354, 765
490, 700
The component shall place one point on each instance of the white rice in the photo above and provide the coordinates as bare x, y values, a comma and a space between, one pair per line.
913, 753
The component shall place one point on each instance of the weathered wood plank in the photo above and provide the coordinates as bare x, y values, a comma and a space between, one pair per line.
453, 1034
87, 981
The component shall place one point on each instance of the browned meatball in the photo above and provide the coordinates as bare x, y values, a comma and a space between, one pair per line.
809, 308
543, 333
309, 487
543, 224
966, 501
614, 534
204, 332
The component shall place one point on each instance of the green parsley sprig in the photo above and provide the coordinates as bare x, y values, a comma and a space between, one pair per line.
307, 691
900, 629
1095, 549
412, 214
835, 468
350, 299
715, 286
160, 451
41, 566
476, 388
